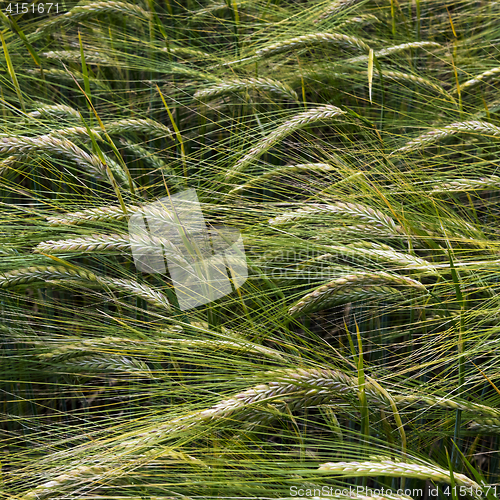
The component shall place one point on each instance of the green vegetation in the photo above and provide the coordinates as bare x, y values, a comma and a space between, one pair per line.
354, 145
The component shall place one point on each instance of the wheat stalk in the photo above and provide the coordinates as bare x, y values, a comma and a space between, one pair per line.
62, 75
438, 134
469, 84
260, 84
191, 73
108, 468
400, 469
98, 473
350, 288
299, 121
216, 9
298, 387
118, 173
211, 10
389, 51
22, 146
83, 347
144, 126
312, 39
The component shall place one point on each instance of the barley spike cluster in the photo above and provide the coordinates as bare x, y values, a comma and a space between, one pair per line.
298, 389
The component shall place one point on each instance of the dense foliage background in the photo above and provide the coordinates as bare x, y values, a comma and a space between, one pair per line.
354, 144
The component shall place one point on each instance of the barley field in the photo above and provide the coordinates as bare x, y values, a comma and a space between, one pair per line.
353, 146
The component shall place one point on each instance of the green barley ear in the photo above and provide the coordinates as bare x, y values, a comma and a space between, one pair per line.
351, 288
93, 364
298, 122
89, 11
75, 55
304, 168
399, 76
398, 469
99, 214
311, 40
54, 274
22, 146
54, 110
477, 80
395, 49
354, 210
335, 8
235, 86
459, 185
439, 134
